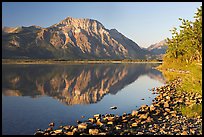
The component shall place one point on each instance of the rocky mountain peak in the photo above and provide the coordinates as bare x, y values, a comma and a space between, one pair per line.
158, 49
10, 29
158, 45
79, 23
71, 38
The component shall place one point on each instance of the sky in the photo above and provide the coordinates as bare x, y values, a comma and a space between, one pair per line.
145, 23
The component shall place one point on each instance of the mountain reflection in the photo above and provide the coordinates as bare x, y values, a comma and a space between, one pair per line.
72, 84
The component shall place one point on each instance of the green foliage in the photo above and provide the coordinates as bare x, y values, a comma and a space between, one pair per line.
194, 111
186, 44
191, 82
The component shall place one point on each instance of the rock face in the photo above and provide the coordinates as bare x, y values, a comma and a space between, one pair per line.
69, 39
158, 48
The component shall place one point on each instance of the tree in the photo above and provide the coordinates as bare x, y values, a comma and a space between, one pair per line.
186, 44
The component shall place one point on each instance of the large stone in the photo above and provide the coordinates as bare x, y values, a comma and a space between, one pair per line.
99, 123
92, 120
140, 133
66, 127
113, 107
149, 119
75, 130
152, 108
134, 125
167, 110
110, 118
93, 131
82, 126
143, 116
69, 133
49, 129
168, 98
117, 127
184, 133
97, 115
166, 104
39, 133
134, 113
58, 131
110, 123
125, 121
102, 133
52, 124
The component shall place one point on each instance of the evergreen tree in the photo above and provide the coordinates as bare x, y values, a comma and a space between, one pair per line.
186, 44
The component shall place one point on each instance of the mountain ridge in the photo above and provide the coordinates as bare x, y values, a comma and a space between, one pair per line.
71, 38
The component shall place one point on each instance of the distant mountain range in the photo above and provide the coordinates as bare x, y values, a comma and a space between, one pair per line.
72, 38
158, 48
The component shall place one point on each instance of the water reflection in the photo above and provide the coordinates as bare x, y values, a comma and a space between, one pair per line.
73, 84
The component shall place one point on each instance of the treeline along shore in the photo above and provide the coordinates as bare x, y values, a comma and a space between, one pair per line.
80, 61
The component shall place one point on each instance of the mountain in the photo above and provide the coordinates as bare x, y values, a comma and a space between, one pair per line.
158, 48
71, 38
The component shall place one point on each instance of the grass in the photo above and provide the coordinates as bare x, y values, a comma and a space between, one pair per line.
191, 82
194, 111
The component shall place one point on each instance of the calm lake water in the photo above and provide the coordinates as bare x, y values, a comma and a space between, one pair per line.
35, 95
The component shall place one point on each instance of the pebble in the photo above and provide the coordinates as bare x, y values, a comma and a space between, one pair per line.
52, 124
134, 113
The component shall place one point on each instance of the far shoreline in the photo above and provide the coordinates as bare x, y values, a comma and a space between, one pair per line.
55, 61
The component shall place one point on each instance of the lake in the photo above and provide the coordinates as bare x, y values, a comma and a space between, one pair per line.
35, 95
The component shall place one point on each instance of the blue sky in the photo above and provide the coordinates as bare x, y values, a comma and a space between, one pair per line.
144, 22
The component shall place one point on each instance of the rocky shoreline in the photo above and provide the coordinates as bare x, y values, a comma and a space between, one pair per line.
160, 118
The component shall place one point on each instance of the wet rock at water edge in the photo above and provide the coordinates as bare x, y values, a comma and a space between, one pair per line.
52, 124
152, 108
82, 116
134, 113
39, 133
67, 127
82, 126
97, 115
78, 122
49, 129
59, 131
113, 107
92, 120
